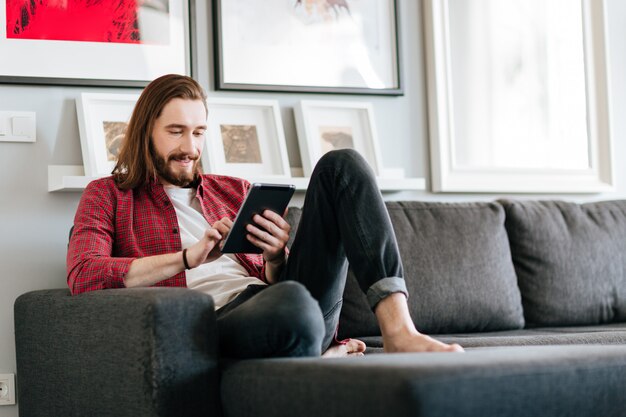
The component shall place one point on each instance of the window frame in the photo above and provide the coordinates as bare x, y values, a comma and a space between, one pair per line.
446, 177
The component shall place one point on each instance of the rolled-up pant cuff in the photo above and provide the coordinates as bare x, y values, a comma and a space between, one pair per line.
385, 287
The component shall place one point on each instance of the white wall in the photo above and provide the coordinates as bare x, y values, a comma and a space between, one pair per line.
34, 223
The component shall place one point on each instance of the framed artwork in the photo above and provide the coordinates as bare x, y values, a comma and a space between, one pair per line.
245, 138
323, 46
102, 122
122, 43
328, 125
518, 95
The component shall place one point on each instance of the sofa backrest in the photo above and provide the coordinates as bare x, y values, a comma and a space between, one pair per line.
473, 267
570, 260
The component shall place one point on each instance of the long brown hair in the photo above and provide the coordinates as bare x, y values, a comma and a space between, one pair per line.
135, 166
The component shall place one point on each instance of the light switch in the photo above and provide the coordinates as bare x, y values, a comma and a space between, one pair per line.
18, 126
23, 126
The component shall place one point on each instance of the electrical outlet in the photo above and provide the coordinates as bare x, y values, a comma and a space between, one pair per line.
7, 389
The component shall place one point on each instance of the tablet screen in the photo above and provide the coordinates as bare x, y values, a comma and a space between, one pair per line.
261, 197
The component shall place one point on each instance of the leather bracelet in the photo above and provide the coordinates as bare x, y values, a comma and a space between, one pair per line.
185, 259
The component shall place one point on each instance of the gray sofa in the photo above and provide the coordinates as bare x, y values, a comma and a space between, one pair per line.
535, 291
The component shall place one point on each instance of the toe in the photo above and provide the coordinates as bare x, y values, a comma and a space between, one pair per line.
457, 348
355, 345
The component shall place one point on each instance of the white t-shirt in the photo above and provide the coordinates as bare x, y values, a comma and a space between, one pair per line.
223, 278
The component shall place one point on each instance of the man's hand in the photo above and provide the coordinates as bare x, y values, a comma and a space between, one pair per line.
208, 248
223, 226
273, 239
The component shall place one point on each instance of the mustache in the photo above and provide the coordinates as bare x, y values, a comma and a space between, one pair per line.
179, 156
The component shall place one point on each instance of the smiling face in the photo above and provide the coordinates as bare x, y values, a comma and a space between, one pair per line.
178, 140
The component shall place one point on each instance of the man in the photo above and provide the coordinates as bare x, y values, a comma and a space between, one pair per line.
158, 221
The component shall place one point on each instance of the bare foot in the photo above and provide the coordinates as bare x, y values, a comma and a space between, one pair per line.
417, 342
354, 347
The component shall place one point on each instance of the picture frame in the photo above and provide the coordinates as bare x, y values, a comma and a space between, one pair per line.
155, 41
326, 125
102, 122
528, 165
245, 138
348, 47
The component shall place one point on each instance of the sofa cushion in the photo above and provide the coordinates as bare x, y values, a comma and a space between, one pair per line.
570, 260
506, 381
598, 334
457, 266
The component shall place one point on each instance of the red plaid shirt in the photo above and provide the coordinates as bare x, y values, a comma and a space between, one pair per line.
113, 227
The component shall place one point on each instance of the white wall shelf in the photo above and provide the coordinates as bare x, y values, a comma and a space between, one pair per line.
71, 178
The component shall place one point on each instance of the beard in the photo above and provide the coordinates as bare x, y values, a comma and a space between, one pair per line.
182, 179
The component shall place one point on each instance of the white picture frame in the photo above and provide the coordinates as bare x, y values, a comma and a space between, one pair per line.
80, 60
101, 120
450, 176
245, 138
327, 125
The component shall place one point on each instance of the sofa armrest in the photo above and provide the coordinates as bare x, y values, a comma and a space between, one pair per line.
122, 352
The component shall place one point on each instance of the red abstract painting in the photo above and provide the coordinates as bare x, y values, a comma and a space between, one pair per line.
74, 20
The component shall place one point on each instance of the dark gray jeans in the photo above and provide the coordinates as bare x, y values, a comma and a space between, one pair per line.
343, 220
